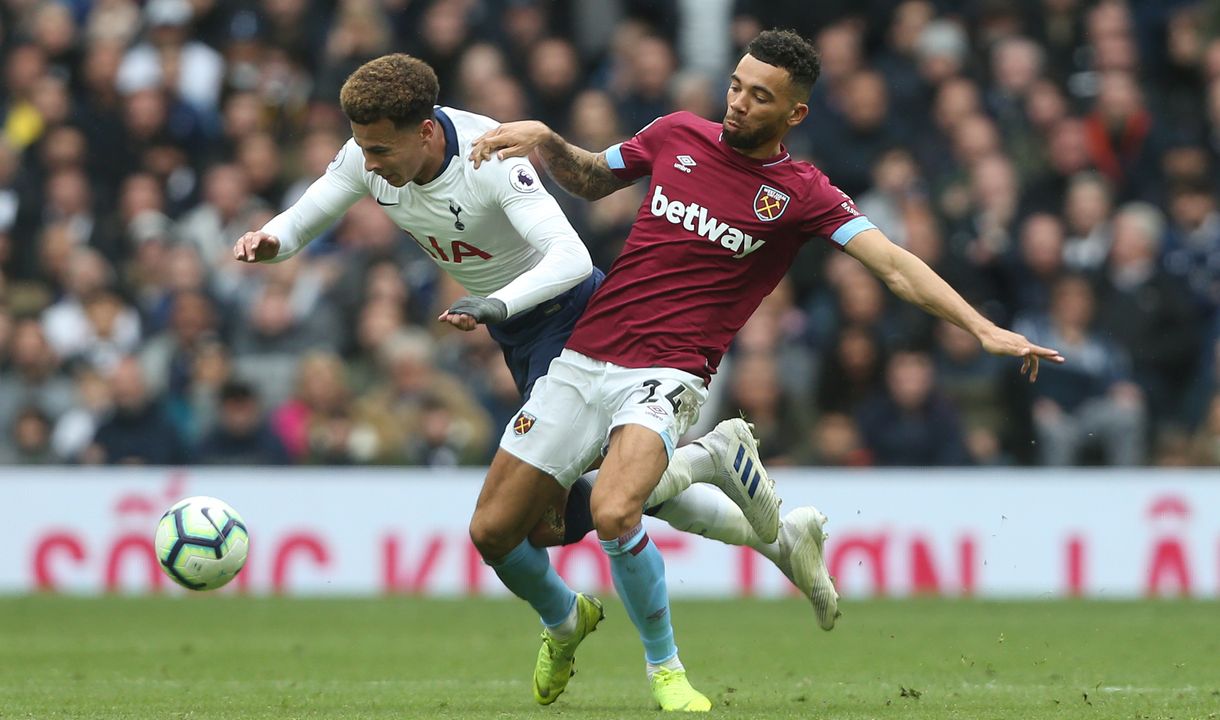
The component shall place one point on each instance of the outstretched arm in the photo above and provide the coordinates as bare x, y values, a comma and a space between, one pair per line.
580, 172
912, 280
326, 199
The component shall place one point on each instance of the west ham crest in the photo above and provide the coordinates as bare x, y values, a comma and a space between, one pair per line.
770, 203
524, 423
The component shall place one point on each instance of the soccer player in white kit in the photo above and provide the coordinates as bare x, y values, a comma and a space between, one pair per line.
500, 234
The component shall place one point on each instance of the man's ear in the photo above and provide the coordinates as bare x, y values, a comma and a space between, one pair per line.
799, 112
426, 129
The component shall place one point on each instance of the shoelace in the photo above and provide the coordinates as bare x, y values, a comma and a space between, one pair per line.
669, 677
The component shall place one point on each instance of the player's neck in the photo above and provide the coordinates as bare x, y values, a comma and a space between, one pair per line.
762, 152
434, 160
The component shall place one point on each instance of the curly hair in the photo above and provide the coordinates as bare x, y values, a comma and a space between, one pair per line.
788, 50
398, 87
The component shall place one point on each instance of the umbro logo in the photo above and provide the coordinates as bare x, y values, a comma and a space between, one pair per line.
685, 163
386, 204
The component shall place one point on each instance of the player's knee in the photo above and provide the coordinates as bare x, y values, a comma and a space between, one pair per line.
493, 539
615, 516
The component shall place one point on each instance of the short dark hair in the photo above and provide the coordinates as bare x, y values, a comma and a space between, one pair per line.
397, 87
237, 390
788, 50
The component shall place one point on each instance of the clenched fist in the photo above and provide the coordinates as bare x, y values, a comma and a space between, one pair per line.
256, 246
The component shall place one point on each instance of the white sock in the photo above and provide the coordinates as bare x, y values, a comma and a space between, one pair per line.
705, 510
566, 628
702, 466
673, 664
687, 464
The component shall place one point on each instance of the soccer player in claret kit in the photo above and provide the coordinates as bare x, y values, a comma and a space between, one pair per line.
725, 213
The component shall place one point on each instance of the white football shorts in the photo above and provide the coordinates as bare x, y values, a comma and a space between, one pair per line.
566, 423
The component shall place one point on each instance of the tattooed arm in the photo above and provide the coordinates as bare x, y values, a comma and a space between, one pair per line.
580, 172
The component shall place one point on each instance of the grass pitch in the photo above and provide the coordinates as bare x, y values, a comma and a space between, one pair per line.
204, 657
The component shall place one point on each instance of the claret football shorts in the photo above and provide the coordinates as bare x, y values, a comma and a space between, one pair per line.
566, 423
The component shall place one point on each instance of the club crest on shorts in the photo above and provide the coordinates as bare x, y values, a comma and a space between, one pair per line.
524, 423
770, 203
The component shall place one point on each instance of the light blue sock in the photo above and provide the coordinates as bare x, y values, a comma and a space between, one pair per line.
528, 573
639, 578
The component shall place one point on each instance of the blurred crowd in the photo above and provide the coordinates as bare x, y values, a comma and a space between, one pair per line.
1055, 160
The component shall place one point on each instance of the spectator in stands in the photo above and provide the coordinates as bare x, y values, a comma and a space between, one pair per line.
848, 147
897, 61
1087, 211
321, 392
1143, 308
553, 77
75, 428
971, 381
242, 435
1192, 244
1035, 265
1092, 401
32, 377
851, 371
834, 442
1120, 136
31, 440
226, 211
645, 92
70, 329
910, 423
399, 407
170, 58
138, 431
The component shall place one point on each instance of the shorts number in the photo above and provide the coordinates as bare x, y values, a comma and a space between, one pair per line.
671, 396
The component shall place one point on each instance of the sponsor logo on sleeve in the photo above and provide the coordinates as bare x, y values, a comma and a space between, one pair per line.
848, 204
770, 203
522, 178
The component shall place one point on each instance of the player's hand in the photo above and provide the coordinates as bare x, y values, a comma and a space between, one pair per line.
256, 246
999, 341
468, 312
514, 139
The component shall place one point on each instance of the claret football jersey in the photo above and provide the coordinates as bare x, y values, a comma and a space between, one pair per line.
714, 235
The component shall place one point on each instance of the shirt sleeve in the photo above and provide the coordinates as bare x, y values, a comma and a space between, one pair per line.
537, 218
633, 159
324, 202
833, 214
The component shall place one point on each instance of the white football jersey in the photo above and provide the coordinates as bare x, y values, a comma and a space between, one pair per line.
496, 230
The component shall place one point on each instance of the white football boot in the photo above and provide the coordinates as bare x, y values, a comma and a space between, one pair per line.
801, 558
740, 475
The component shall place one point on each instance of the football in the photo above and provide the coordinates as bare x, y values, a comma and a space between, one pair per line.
201, 543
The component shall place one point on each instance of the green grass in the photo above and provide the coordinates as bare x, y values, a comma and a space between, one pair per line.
249, 659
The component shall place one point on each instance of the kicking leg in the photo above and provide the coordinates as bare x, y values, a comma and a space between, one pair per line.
798, 552
727, 457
